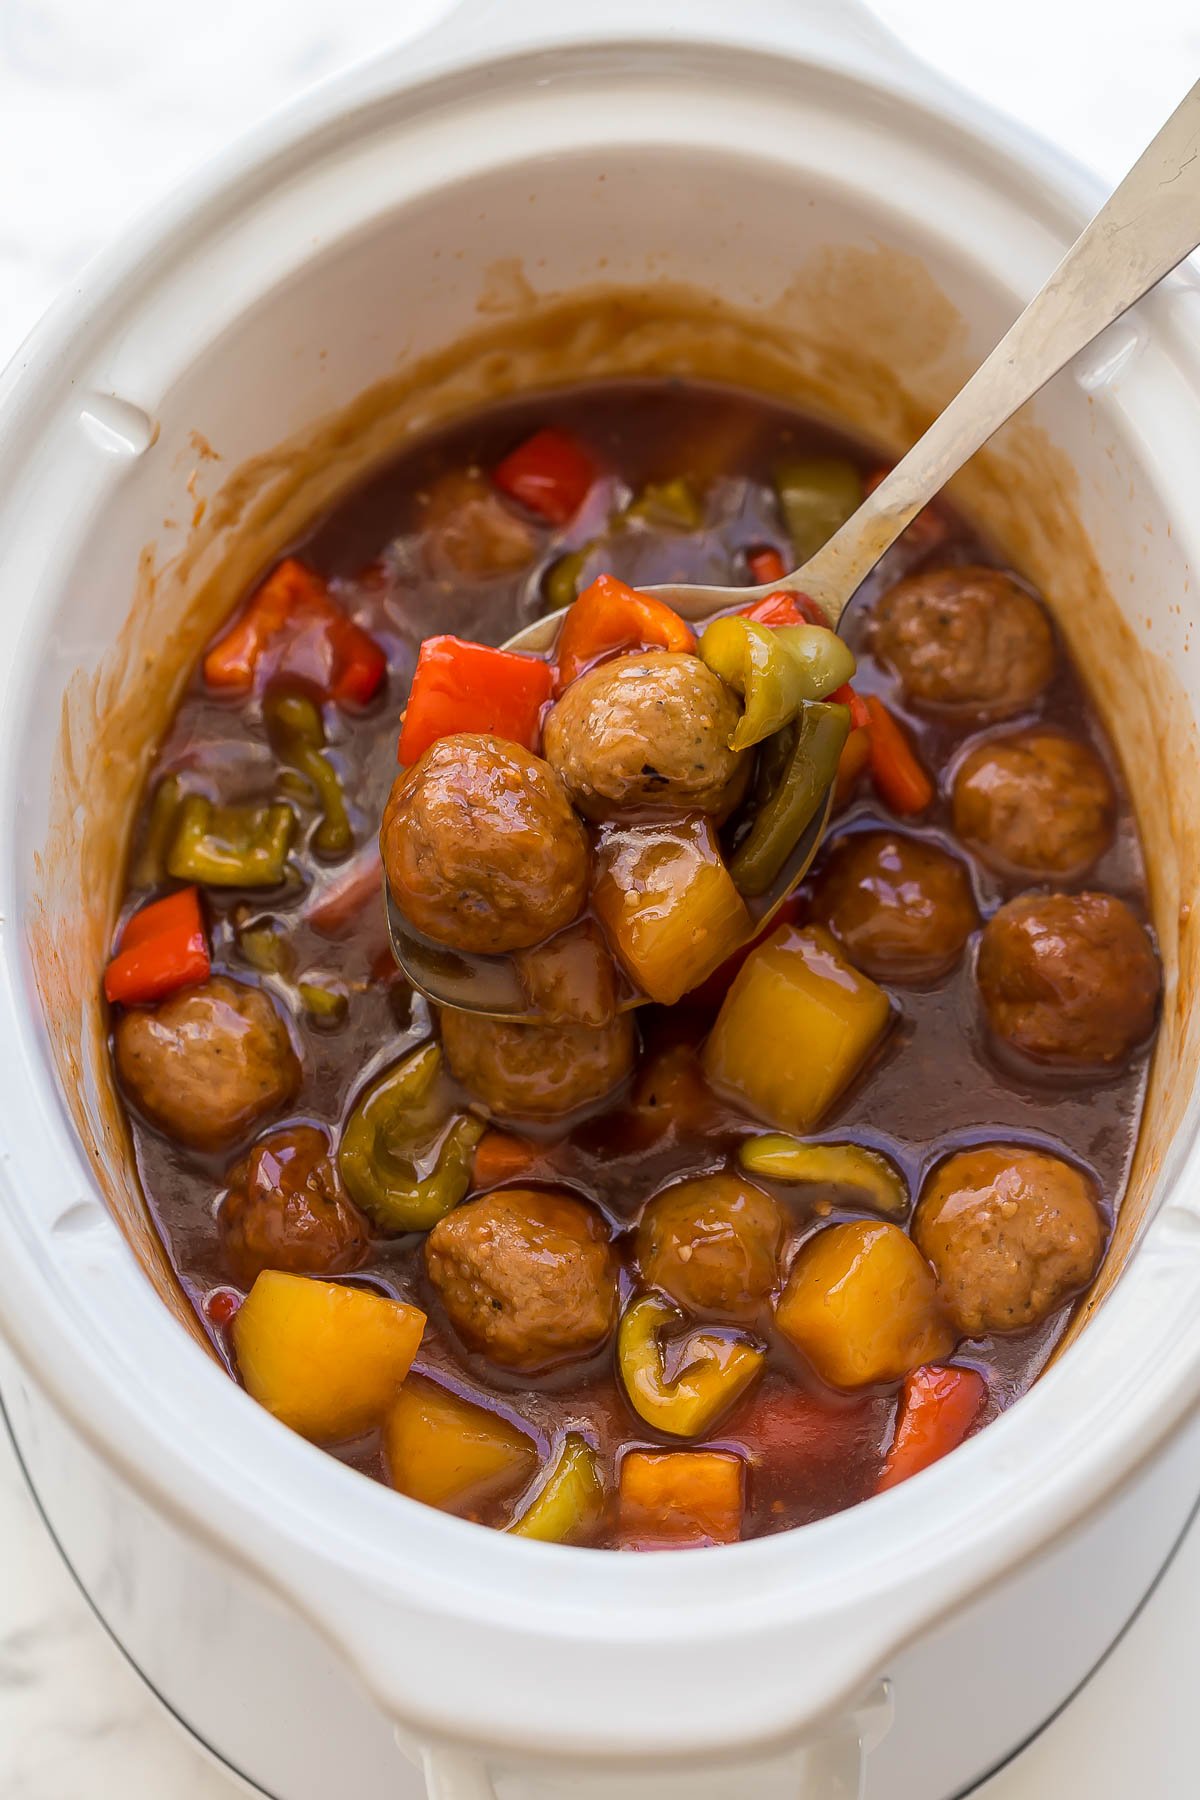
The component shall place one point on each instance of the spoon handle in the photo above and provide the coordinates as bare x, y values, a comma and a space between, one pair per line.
1150, 223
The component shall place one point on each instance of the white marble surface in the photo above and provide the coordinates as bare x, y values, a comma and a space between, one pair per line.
103, 105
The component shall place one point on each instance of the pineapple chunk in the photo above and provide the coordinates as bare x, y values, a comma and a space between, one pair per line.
449, 1452
668, 904
795, 1028
862, 1304
671, 1499
324, 1358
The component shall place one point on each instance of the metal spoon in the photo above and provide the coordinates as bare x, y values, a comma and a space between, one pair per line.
1150, 223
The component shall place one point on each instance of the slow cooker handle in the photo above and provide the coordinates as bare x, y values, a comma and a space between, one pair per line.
827, 1765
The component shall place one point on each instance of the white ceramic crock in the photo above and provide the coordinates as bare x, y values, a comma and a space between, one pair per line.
319, 1632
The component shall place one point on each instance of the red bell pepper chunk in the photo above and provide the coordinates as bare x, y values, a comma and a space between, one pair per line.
163, 947
550, 474
785, 608
938, 1407
460, 686
610, 616
290, 620
860, 715
766, 565
897, 774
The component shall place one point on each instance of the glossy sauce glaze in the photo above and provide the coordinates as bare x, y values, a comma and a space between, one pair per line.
936, 1084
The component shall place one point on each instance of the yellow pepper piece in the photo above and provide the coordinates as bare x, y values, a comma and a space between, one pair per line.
448, 1452
862, 1304
775, 669
668, 506
569, 1506
715, 1367
874, 1177
324, 1358
794, 1029
669, 1499
403, 1156
668, 904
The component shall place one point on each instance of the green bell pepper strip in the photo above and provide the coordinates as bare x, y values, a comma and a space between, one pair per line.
264, 946
569, 1505
668, 506
394, 1126
560, 584
325, 1002
820, 731
817, 494
150, 864
230, 846
872, 1175
775, 669
717, 1366
297, 735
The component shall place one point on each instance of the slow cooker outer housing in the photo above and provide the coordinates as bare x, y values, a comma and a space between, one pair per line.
496, 159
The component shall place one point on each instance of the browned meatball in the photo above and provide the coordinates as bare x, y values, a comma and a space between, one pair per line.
966, 641
208, 1062
647, 731
1034, 803
285, 1209
1012, 1233
712, 1244
1068, 978
902, 909
536, 1071
481, 847
528, 1278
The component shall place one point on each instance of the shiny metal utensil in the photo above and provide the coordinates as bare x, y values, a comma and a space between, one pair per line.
1147, 227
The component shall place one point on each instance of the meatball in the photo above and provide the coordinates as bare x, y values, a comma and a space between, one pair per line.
208, 1062
285, 1209
529, 1278
648, 731
967, 641
1034, 803
1011, 1232
1068, 978
712, 1244
536, 1071
901, 909
481, 847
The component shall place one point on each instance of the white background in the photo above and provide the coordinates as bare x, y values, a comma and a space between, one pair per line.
104, 104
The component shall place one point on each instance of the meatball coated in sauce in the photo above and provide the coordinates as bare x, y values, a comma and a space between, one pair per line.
902, 909
208, 1062
647, 731
1068, 979
713, 1245
1034, 803
285, 1209
527, 1277
966, 641
1011, 1232
481, 847
536, 1071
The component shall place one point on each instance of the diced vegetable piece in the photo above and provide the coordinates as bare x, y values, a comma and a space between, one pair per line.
231, 846
326, 1359
668, 506
775, 670
767, 565
404, 1157
813, 747
568, 1508
162, 948
610, 616
860, 713
668, 905
500, 1157
560, 584
817, 494
325, 1000
714, 1367
570, 978
856, 754
795, 1028
938, 1407
897, 774
291, 614
265, 945
297, 735
460, 686
876, 1181
448, 1452
862, 1304
676, 1499
549, 473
